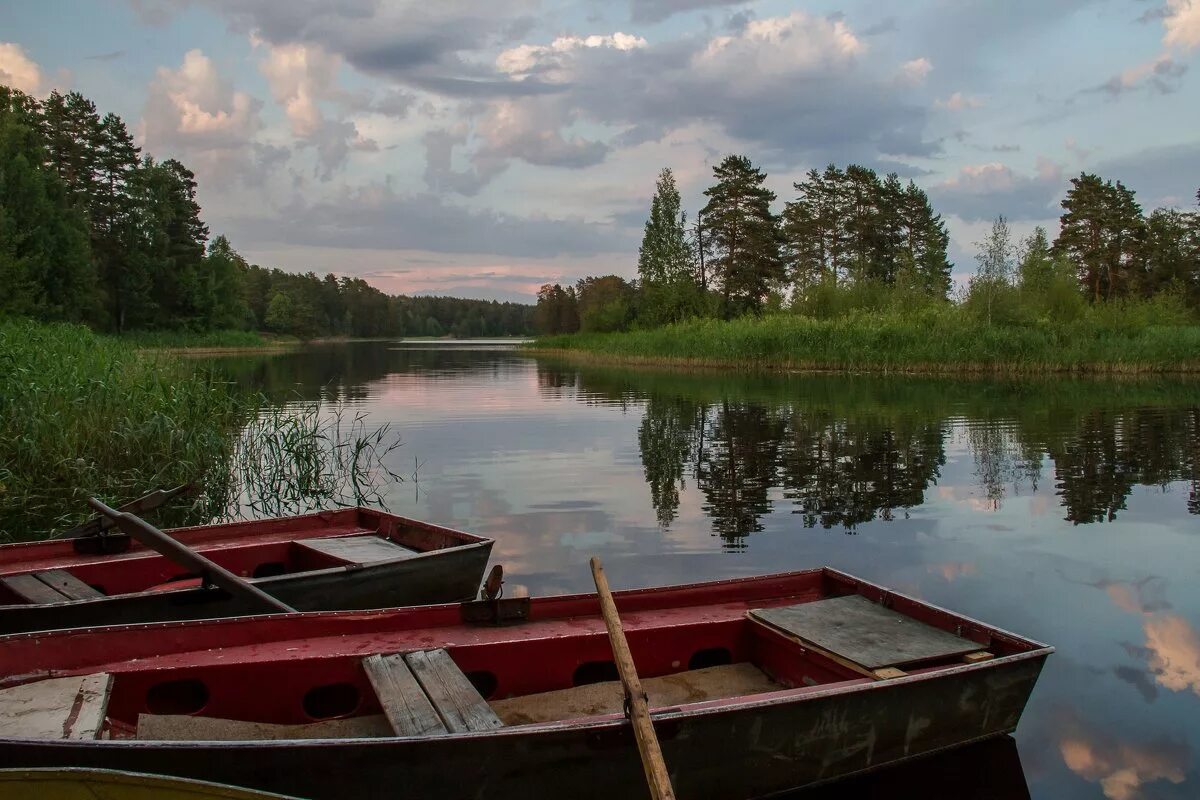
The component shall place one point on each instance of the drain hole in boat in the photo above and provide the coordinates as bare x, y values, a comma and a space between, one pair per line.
177, 697
270, 569
710, 657
595, 672
333, 700
484, 682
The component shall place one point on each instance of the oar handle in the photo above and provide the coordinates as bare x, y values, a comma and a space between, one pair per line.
185, 556
638, 709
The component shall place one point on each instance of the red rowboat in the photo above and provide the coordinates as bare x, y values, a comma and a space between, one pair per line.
348, 559
757, 685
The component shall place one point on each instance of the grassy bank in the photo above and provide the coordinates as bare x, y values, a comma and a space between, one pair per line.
929, 340
86, 415
82, 415
209, 340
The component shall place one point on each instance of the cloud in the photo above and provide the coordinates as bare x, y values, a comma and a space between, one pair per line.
1181, 24
18, 70
658, 10
1122, 769
1161, 176
984, 191
301, 78
194, 114
958, 102
1161, 75
1174, 652
378, 217
914, 73
112, 56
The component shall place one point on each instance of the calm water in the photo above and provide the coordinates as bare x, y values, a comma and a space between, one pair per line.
1062, 510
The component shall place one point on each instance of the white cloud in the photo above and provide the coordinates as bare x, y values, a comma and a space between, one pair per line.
1182, 24
914, 73
549, 60
981, 191
19, 70
300, 76
959, 102
780, 46
194, 107
197, 116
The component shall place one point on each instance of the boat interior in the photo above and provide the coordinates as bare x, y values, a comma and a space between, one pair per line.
56, 571
461, 679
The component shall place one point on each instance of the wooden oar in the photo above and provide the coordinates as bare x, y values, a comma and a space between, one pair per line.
185, 556
149, 502
636, 706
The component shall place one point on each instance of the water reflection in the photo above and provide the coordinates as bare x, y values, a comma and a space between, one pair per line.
1062, 509
847, 451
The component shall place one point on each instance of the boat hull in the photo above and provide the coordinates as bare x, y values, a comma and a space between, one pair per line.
757, 747
447, 568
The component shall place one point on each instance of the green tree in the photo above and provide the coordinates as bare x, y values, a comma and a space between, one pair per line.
665, 269
45, 268
1102, 231
557, 310
605, 303
745, 236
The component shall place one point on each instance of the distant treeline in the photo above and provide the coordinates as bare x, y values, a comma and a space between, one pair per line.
852, 240
92, 230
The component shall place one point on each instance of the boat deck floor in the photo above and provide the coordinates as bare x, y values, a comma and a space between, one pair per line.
594, 699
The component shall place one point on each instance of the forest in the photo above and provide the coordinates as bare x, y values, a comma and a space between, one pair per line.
94, 231
852, 242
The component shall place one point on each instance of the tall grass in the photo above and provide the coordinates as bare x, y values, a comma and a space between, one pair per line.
84, 415
926, 337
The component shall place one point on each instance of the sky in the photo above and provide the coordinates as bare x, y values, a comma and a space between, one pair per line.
482, 149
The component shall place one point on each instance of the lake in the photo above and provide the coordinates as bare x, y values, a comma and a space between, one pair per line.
1064, 510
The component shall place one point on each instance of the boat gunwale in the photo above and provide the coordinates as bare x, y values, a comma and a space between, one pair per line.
597, 723
593, 724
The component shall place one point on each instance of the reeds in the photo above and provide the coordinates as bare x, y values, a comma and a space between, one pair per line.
928, 340
84, 415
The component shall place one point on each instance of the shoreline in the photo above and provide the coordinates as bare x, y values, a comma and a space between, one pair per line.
1118, 369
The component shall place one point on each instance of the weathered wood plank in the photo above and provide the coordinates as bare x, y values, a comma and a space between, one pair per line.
182, 728
401, 696
608, 697
864, 632
32, 590
359, 549
57, 708
64, 582
458, 703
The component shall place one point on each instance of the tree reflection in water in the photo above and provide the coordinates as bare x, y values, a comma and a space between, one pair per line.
845, 451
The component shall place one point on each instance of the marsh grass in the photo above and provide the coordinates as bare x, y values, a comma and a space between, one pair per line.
84, 415
933, 339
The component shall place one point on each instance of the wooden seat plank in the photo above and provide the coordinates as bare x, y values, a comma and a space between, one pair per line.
57, 708
31, 590
62, 581
359, 549
864, 632
457, 701
403, 700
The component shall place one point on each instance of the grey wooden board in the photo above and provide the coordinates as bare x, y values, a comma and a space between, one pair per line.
864, 632
458, 703
401, 696
56, 708
182, 728
33, 590
66, 583
359, 549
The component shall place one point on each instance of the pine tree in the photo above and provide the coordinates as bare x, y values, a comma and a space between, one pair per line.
745, 235
924, 242
45, 269
1035, 269
1102, 233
